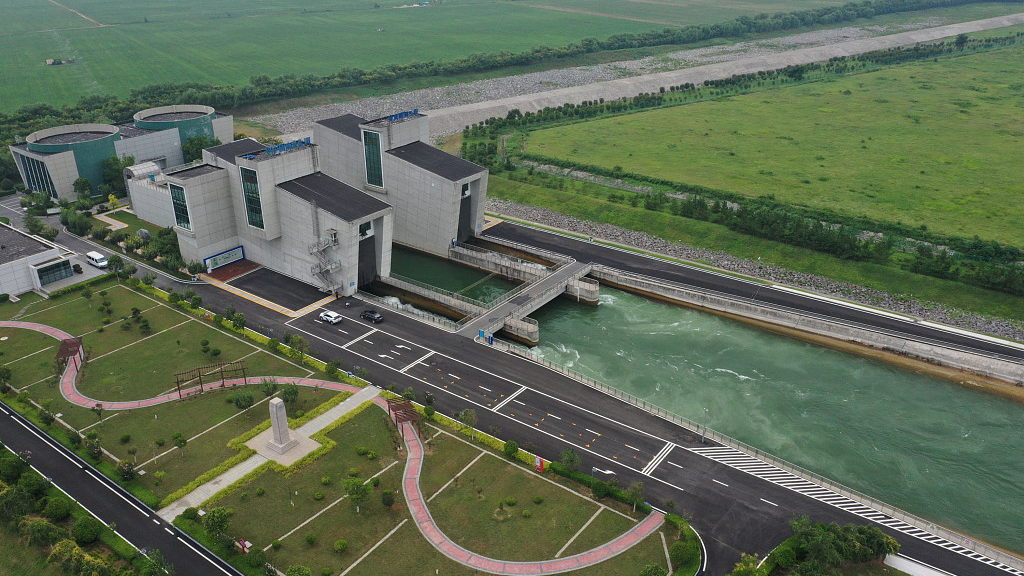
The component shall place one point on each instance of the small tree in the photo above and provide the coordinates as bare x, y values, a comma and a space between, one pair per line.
511, 449
635, 493
653, 570
154, 564
340, 546
468, 419
387, 498
570, 459
126, 470
298, 570
357, 491
180, 442
87, 294
98, 411
289, 393
82, 188
217, 520
116, 264
192, 148
749, 566
299, 347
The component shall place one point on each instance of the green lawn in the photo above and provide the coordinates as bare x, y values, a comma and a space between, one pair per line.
467, 512
20, 560
715, 237
9, 309
607, 526
265, 519
924, 144
134, 222
444, 457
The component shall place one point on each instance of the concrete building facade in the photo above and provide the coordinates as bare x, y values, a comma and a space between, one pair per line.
51, 160
312, 209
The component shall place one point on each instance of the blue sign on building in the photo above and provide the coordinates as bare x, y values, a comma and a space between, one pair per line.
403, 115
272, 150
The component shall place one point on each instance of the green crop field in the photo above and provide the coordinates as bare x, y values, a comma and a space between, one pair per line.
120, 45
933, 144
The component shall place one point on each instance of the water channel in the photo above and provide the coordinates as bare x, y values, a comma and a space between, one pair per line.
931, 447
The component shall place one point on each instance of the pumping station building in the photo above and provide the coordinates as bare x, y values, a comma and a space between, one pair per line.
325, 209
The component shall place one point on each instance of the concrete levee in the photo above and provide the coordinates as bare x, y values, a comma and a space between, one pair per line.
508, 266
828, 328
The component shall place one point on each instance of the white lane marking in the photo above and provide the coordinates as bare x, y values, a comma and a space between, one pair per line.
384, 356
48, 443
342, 331
674, 464
156, 521
658, 458
630, 447
118, 494
511, 398
484, 387
592, 432
402, 346
720, 482
456, 377
4, 411
769, 502
208, 559
415, 362
353, 341
368, 342
553, 416
169, 531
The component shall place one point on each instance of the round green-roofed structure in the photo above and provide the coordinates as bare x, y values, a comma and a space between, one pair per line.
190, 120
90, 143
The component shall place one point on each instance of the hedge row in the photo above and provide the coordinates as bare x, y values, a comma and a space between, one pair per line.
587, 480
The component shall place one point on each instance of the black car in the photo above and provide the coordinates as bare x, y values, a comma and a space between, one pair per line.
372, 316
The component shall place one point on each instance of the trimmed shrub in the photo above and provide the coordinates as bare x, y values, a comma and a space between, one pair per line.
340, 546
311, 539
86, 530
683, 552
318, 495
510, 500
527, 513
325, 480
511, 449
276, 544
538, 499
57, 508
191, 514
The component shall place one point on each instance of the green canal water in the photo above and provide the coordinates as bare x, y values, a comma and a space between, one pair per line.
447, 275
928, 446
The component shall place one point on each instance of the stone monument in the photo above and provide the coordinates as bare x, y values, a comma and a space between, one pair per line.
282, 441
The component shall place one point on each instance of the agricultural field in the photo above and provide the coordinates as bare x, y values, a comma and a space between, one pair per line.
931, 144
109, 40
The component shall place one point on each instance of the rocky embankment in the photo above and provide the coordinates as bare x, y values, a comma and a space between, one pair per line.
903, 304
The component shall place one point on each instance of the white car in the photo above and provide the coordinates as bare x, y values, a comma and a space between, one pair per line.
330, 317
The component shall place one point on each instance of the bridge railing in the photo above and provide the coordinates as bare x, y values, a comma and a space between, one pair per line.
887, 509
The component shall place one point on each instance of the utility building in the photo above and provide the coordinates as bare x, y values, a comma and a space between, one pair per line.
51, 160
323, 210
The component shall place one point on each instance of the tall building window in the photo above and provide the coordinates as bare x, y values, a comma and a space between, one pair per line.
37, 176
251, 192
180, 207
371, 153
54, 272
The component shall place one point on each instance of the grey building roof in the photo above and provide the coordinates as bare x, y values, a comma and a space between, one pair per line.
195, 171
72, 137
334, 196
347, 125
15, 245
436, 161
130, 130
237, 148
171, 116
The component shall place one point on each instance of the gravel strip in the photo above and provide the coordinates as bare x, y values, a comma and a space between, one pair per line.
900, 303
300, 119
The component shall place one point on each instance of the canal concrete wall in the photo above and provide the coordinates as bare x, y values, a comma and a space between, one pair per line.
823, 327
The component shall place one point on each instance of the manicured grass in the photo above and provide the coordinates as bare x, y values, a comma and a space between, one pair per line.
200, 454
76, 315
144, 371
444, 458
134, 222
361, 531
606, 527
9, 309
922, 143
467, 512
265, 519
715, 237
409, 554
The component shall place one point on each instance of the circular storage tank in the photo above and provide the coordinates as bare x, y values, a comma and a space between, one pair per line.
190, 120
90, 143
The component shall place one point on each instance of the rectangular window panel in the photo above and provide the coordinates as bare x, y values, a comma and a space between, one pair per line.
371, 153
364, 228
251, 192
54, 272
180, 207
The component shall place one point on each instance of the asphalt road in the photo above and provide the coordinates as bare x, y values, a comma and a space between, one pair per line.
106, 500
735, 507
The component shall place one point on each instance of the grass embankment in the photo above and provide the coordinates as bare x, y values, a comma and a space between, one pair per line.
923, 144
587, 202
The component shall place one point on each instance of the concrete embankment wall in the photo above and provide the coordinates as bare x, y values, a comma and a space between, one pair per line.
932, 358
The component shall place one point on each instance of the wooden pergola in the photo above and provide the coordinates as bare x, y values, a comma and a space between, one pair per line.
71, 348
402, 410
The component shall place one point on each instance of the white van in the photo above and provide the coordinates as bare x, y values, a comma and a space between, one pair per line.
96, 259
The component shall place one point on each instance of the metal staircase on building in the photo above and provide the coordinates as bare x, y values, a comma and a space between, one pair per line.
324, 266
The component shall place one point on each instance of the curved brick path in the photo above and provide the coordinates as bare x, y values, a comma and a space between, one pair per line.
410, 480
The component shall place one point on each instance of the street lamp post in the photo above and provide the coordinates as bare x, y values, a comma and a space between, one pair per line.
704, 433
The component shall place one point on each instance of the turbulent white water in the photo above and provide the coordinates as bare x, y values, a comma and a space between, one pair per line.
931, 447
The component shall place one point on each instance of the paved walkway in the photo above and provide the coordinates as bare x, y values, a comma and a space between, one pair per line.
410, 481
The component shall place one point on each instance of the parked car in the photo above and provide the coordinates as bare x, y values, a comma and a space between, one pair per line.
371, 316
330, 317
